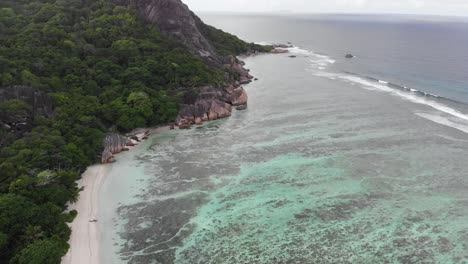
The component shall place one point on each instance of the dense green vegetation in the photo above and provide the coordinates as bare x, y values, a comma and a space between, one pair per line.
227, 44
104, 68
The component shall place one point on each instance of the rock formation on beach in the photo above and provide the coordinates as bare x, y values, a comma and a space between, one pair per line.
211, 104
74, 74
115, 143
173, 18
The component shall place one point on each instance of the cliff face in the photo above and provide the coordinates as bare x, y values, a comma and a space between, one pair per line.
39, 101
174, 18
16, 119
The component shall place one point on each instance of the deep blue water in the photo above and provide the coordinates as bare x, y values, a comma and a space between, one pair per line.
427, 54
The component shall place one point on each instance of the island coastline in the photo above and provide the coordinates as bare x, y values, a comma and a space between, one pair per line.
85, 238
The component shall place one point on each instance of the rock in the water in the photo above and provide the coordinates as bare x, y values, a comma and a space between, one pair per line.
279, 51
242, 107
219, 109
292, 56
184, 124
239, 96
349, 56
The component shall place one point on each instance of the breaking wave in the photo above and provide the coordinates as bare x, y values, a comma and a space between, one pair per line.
318, 61
406, 93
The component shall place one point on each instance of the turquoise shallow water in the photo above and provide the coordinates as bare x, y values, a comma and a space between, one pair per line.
317, 170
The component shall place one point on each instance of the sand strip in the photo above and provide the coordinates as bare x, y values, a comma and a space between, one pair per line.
85, 238
84, 242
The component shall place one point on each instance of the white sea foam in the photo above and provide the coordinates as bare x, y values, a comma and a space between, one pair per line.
407, 96
444, 121
298, 50
384, 82
264, 43
318, 61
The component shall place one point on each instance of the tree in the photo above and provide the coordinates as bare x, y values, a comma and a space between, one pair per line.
29, 79
3, 241
14, 108
7, 16
125, 49
15, 214
48, 251
103, 67
141, 103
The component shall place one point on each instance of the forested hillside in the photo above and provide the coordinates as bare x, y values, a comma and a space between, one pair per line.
103, 69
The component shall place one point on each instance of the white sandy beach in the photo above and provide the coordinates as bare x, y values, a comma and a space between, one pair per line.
85, 237
84, 241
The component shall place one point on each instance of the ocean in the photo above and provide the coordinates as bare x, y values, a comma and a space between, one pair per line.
335, 160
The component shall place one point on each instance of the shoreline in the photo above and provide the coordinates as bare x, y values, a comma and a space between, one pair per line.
85, 238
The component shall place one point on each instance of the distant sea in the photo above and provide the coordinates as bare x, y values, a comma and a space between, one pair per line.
336, 160
425, 53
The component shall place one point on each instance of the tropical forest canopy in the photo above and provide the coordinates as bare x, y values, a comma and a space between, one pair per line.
104, 68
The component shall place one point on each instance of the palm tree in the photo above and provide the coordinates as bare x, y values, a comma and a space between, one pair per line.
33, 233
75, 195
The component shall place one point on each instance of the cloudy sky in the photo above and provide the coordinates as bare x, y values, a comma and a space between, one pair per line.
434, 7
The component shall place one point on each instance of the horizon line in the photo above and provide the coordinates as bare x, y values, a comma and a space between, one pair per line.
331, 13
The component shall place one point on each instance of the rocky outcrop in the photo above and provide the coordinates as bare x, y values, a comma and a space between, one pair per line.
115, 143
236, 95
40, 102
279, 51
212, 103
18, 120
107, 157
237, 70
217, 102
241, 107
174, 18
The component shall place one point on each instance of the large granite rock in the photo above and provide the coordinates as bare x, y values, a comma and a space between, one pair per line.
174, 18
237, 96
40, 102
17, 123
237, 70
212, 103
113, 144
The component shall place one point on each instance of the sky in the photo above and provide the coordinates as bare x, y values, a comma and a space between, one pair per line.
426, 7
